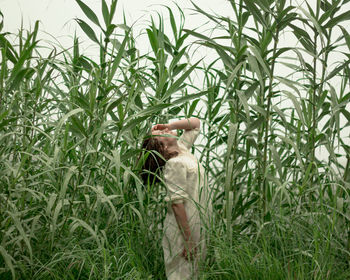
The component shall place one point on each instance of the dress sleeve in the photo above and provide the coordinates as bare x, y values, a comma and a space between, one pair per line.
189, 137
175, 180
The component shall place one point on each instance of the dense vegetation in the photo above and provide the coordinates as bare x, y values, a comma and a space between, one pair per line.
71, 203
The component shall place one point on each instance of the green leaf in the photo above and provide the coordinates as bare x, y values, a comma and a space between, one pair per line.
77, 222
105, 13
153, 109
337, 70
226, 59
153, 40
181, 41
134, 122
251, 89
192, 107
277, 160
173, 23
112, 11
287, 19
110, 29
254, 125
312, 18
2, 21
255, 68
16, 71
11, 53
325, 5
346, 114
68, 175
105, 199
176, 59
300, 32
264, 5
228, 177
296, 105
25, 73
114, 104
255, 12
281, 51
88, 30
78, 125
244, 102
213, 18
178, 69
20, 229
233, 74
334, 21
346, 36
179, 82
329, 10
292, 143
188, 97
231, 136
88, 12
260, 60
117, 60
85, 64
199, 35
8, 261
66, 116
303, 37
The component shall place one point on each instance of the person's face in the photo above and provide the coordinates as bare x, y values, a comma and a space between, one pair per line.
168, 137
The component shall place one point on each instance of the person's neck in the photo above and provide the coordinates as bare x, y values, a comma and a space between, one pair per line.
174, 148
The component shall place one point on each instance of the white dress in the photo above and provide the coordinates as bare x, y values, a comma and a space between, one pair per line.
186, 183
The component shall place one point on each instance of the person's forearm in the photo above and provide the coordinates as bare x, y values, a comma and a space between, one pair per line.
181, 219
186, 124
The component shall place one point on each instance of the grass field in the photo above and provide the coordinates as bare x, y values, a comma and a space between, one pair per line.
275, 146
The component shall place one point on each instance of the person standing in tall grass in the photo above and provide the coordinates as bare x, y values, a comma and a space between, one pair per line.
187, 195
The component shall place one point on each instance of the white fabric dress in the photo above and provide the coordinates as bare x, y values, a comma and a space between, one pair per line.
186, 183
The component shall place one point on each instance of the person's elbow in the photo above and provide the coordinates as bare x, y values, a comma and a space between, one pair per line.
195, 123
177, 204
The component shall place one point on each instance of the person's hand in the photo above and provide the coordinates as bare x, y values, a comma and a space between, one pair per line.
190, 251
161, 127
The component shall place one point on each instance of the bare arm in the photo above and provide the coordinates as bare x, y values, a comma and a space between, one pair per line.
186, 124
182, 222
181, 219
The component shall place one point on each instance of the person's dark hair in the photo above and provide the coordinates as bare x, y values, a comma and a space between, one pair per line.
153, 165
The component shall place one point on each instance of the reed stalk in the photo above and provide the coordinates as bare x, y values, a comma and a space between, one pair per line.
72, 205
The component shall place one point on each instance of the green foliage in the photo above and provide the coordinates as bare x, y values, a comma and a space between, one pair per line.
72, 205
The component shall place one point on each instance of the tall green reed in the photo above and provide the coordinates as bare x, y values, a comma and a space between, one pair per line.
71, 129
276, 144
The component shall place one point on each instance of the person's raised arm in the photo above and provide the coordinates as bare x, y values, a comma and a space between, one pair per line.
186, 124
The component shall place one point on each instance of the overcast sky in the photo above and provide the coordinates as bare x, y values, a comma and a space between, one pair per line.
56, 16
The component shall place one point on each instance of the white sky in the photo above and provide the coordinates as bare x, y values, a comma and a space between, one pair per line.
56, 16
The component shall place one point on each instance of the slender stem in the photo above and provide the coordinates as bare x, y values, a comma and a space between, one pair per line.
77, 184
238, 86
267, 121
313, 101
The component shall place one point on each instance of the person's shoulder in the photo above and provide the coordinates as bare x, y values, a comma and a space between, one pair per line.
175, 165
174, 161
185, 161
